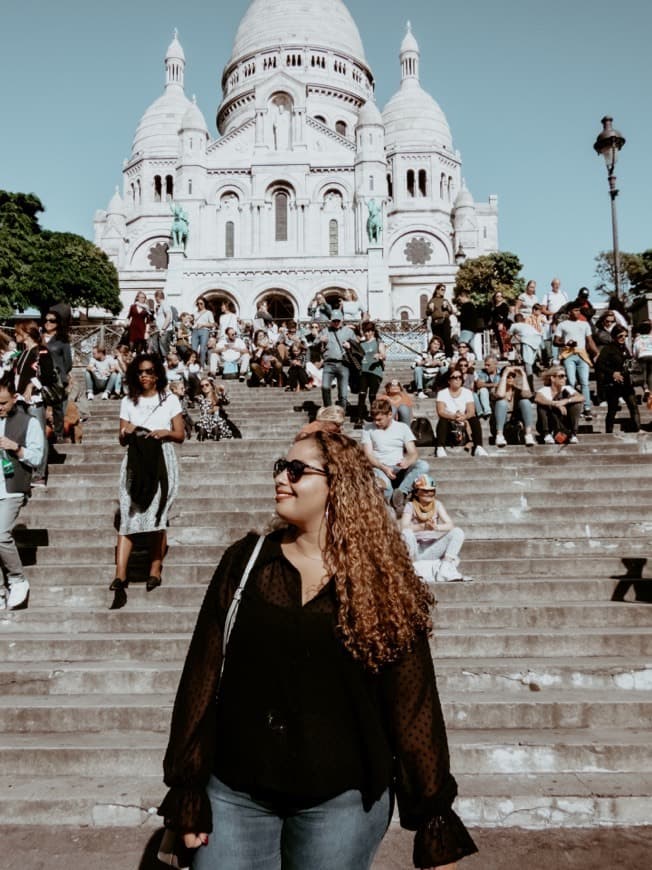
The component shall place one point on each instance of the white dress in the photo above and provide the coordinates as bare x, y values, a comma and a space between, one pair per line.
152, 413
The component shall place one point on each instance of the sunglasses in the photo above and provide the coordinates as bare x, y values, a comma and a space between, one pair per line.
455, 378
148, 372
295, 469
50, 319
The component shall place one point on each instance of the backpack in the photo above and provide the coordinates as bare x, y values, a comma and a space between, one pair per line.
422, 431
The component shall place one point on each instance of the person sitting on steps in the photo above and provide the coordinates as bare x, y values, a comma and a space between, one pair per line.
558, 408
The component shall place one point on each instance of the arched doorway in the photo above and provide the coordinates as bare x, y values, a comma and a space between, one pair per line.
214, 300
335, 295
279, 305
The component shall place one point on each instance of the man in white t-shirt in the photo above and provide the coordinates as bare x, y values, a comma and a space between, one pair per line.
101, 373
574, 338
230, 349
392, 450
552, 304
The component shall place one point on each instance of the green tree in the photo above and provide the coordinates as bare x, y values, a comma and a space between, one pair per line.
39, 267
635, 273
482, 276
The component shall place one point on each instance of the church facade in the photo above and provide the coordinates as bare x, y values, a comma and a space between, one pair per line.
309, 188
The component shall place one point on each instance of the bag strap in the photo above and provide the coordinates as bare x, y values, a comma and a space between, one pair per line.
232, 612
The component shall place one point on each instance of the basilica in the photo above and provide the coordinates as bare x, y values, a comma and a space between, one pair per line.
309, 187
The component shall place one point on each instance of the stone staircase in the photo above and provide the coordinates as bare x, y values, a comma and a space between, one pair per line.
544, 662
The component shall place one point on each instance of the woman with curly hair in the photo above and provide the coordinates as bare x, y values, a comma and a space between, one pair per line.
327, 706
151, 420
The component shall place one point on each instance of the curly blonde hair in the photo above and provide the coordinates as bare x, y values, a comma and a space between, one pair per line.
382, 604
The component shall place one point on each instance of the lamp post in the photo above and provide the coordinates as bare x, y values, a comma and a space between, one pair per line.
460, 254
608, 145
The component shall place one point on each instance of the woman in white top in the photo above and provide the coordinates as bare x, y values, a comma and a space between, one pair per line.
202, 324
456, 409
228, 319
151, 419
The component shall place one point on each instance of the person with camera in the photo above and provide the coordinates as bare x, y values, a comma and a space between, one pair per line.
558, 408
574, 338
456, 412
151, 421
513, 404
613, 366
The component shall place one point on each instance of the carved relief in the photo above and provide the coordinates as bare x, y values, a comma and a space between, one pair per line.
158, 256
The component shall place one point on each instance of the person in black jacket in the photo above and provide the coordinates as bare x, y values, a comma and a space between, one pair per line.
613, 366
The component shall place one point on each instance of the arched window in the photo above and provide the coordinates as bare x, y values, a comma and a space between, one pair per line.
341, 128
229, 239
190, 185
281, 216
450, 188
390, 187
442, 182
320, 118
158, 190
410, 182
423, 182
169, 187
333, 238
138, 190
371, 182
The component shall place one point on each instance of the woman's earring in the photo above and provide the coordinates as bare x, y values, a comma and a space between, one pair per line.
326, 512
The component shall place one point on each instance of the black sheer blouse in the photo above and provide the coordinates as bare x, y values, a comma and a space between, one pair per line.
298, 720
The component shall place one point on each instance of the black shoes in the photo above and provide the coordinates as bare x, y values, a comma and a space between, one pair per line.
152, 582
119, 589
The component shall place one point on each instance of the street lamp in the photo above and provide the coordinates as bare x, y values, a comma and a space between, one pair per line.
460, 255
608, 144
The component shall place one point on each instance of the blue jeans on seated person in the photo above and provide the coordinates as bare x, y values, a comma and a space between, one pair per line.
337, 834
404, 479
482, 401
525, 411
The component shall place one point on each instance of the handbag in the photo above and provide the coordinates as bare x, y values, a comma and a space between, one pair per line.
173, 851
422, 431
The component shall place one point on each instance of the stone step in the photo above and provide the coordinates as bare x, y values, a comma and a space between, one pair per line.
187, 544
506, 678
53, 646
77, 593
159, 620
151, 712
532, 801
124, 753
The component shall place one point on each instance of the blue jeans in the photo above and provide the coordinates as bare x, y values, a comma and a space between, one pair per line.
335, 371
404, 477
251, 835
100, 385
482, 401
525, 410
577, 372
199, 343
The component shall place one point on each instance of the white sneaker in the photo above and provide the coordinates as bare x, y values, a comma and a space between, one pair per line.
421, 395
89, 396
105, 396
440, 453
18, 594
572, 439
603, 405
501, 441
448, 572
548, 439
529, 440
480, 451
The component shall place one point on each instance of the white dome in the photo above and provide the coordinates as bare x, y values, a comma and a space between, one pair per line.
175, 51
413, 119
463, 198
193, 119
157, 132
116, 205
409, 41
316, 23
369, 114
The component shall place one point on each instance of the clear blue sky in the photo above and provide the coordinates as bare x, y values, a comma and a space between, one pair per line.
523, 85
